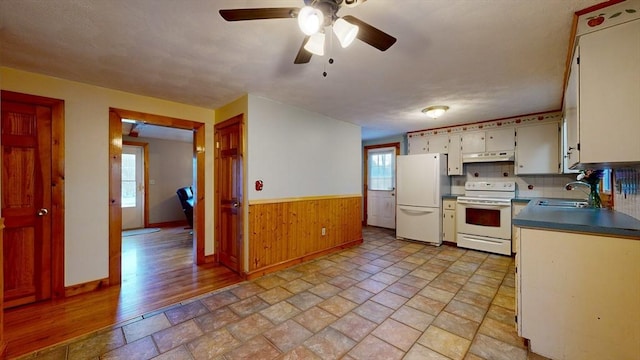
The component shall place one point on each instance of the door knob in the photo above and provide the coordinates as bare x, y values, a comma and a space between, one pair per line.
43, 212
235, 204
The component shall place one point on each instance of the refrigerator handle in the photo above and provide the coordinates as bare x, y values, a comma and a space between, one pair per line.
417, 210
436, 182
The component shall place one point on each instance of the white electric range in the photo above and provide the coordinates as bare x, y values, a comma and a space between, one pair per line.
483, 216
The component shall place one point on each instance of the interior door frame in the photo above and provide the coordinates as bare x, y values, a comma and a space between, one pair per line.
145, 175
115, 179
57, 211
365, 174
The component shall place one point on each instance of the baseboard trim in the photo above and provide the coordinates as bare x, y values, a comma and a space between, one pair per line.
86, 287
450, 243
210, 259
289, 263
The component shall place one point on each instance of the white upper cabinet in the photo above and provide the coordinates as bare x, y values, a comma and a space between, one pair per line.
454, 159
418, 144
439, 143
538, 149
473, 142
571, 154
502, 139
444, 144
609, 95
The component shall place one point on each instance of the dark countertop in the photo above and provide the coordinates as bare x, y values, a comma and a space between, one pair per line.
584, 220
450, 196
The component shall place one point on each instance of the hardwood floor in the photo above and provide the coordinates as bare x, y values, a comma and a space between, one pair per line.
157, 271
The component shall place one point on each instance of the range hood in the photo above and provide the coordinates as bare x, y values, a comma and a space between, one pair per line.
489, 156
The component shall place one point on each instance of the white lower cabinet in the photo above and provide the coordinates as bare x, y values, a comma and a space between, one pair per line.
578, 295
515, 210
449, 220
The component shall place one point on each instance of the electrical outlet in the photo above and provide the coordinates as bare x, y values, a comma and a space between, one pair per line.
324, 231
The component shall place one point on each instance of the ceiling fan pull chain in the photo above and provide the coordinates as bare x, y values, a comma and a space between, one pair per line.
330, 61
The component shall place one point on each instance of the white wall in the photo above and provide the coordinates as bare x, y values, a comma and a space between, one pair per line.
87, 159
297, 153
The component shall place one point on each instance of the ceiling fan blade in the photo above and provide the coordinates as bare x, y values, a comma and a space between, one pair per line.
258, 14
303, 56
371, 35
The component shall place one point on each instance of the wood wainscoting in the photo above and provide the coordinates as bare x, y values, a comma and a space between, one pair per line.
286, 232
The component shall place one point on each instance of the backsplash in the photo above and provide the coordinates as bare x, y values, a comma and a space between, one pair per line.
551, 186
627, 192
526, 186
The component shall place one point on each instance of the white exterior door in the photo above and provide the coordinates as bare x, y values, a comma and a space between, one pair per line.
381, 200
132, 187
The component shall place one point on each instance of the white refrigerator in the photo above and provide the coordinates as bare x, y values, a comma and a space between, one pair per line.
421, 180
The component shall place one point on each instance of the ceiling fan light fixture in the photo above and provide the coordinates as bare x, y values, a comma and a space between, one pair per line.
345, 32
310, 20
435, 111
315, 44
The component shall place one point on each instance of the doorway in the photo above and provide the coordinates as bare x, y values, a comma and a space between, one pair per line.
379, 185
32, 197
134, 189
115, 183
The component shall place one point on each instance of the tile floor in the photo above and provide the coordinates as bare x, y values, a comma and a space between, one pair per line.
385, 299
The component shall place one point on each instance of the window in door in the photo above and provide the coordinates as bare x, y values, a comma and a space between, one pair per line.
129, 181
382, 169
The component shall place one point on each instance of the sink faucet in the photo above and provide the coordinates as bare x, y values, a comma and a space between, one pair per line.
573, 185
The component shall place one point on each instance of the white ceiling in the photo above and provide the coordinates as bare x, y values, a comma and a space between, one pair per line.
486, 59
144, 130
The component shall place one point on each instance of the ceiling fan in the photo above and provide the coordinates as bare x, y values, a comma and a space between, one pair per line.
313, 17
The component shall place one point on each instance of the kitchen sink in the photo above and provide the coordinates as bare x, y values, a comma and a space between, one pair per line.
563, 203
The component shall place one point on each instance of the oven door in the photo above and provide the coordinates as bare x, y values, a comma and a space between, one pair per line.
483, 217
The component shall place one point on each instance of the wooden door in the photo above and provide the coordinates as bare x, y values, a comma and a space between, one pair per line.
26, 202
229, 199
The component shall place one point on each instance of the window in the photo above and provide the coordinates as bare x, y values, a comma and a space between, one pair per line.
606, 181
382, 169
128, 180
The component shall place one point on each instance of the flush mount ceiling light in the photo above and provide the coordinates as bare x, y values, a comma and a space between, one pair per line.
435, 111
310, 20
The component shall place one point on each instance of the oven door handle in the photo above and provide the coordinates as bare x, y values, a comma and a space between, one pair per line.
482, 239
484, 205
